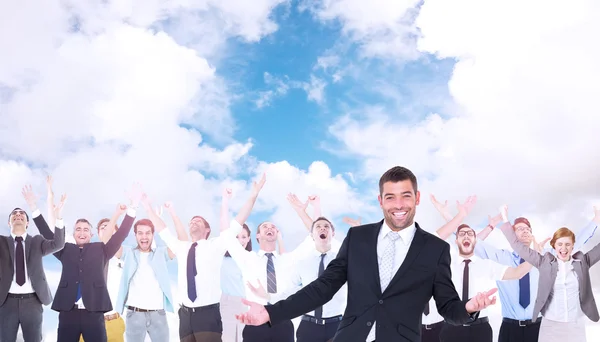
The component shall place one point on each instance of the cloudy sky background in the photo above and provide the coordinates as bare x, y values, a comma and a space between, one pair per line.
494, 98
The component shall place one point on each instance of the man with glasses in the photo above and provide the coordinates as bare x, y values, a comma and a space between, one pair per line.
518, 296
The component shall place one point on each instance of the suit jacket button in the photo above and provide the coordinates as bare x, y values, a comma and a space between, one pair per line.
380, 301
369, 324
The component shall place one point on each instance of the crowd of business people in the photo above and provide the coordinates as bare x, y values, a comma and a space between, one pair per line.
388, 281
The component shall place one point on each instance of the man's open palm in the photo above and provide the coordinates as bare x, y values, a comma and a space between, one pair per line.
256, 315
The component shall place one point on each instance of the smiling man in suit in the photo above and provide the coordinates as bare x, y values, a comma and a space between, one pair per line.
23, 286
392, 268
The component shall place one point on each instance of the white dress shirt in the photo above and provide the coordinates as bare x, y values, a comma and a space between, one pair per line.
564, 306
402, 245
144, 290
113, 280
26, 287
209, 258
254, 269
306, 270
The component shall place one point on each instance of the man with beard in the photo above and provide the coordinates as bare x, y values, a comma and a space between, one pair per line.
518, 296
199, 271
471, 275
392, 267
145, 288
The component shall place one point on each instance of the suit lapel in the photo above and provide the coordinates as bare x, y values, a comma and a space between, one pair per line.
415, 248
372, 258
28, 241
11, 249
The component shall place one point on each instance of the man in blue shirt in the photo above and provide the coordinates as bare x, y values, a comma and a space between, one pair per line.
518, 296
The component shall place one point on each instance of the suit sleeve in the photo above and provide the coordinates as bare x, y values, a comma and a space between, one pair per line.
316, 293
114, 243
50, 244
447, 301
525, 252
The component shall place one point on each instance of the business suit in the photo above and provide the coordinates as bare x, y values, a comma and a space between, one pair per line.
26, 309
397, 311
548, 267
86, 266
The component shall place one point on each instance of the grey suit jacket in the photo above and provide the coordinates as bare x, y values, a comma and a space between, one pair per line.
35, 248
548, 266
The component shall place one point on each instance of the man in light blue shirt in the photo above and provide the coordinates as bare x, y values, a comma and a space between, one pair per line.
145, 289
518, 296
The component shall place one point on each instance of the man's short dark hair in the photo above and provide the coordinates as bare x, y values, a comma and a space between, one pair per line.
321, 218
395, 175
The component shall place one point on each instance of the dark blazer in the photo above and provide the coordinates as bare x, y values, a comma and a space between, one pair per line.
35, 248
548, 267
424, 273
87, 266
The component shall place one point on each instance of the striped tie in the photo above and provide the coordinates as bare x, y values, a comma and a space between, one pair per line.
271, 278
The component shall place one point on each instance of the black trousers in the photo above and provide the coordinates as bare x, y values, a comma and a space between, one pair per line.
282, 332
431, 333
77, 322
481, 332
200, 324
313, 332
24, 310
512, 331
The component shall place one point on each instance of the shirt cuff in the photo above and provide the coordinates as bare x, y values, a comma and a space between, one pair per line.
36, 213
131, 212
59, 223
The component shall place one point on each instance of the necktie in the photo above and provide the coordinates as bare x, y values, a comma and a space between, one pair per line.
20, 261
524, 289
386, 267
465, 289
426, 311
319, 310
271, 278
191, 272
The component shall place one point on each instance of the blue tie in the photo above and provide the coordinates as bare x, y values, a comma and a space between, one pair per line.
524, 289
78, 292
192, 272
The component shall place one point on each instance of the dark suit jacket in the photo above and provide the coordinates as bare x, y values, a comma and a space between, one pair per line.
87, 266
35, 248
397, 311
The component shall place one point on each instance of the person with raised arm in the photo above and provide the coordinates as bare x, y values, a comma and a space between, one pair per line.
564, 293
82, 296
23, 285
232, 281
199, 267
518, 297
470, 274
392, 267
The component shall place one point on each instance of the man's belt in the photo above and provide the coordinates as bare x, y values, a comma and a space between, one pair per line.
321, 321
432, 326
21, 295
133, 308
200, 308
524, 323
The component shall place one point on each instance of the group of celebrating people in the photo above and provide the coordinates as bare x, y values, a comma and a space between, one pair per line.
387, 281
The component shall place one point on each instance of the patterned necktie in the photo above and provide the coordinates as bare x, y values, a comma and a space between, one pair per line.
20, 261
319, 310
271, 278
192, 272
465, 289
524, 289
386, 267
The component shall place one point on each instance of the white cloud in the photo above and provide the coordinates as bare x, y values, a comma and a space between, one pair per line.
315, 89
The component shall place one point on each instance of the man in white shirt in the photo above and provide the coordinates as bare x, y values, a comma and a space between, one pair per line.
265, 269
199, 272
321, 324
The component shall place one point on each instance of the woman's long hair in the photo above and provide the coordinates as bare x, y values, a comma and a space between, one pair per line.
248, 246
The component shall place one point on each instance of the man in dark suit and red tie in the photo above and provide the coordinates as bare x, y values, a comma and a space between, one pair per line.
392, 268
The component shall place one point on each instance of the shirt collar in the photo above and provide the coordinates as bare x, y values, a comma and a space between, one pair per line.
24, 236
262, 253
406, 234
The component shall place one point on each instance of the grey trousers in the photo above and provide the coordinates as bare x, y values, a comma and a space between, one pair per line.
24, 310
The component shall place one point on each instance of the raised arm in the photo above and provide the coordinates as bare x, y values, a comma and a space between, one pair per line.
173, 244
315, 202
441, 208
50, 201
463, 211
492, 223
58, 242
528, 254
280, 245
179, 227
300, 209
352, 222
244, 213
224, 217
585, 234
112, 224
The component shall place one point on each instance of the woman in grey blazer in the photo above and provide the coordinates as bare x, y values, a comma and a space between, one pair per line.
564, 289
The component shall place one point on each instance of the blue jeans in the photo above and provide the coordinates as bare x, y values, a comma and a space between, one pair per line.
154, 323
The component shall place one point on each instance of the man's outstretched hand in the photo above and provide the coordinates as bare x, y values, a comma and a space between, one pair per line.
256, 315
481, 301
